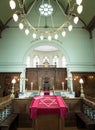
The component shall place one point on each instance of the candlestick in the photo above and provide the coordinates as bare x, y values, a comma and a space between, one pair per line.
63, 86
82, 91
12, 91
31, 85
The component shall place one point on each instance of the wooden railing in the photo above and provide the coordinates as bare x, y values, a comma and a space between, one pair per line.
88, 108
86, 117
5, 107
5, 98
90, 98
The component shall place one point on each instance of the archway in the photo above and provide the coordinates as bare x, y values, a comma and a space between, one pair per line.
56, 44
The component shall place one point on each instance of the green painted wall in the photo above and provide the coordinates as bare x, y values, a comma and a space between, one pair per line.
93, 35
76, 46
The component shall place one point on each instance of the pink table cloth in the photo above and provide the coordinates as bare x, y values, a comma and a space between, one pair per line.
48, 105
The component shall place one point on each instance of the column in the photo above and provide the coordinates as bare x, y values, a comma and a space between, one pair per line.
22, 82
69, 81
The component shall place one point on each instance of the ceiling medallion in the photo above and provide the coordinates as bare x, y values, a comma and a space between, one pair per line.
45, 9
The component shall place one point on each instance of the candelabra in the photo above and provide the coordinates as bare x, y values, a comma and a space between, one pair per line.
82, 91
44, 24
12, 91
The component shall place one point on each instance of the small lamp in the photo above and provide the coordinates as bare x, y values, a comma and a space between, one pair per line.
12, 91
82, 91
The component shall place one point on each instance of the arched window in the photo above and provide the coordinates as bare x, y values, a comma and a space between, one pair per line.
36, 61
45, 59
28, 61
64, 63
56, 61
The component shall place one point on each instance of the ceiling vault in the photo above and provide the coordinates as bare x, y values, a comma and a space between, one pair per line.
87, 15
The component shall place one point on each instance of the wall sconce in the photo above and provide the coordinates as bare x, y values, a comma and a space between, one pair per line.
82, 91
12, 91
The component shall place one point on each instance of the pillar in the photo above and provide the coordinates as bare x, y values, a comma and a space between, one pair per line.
69, 81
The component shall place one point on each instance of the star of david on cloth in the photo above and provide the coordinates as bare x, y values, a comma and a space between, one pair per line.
48, 102
48, 105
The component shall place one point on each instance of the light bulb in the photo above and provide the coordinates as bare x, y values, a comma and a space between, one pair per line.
63, 33
34, 35
21, 26
80, 9
26, 31
56, 36
81, 81
70, 27
15, 17
41, 37
49, 38
13, 81
76, 19
78, 2
12, 4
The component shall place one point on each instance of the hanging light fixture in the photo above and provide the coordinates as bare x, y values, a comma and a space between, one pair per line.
70, 27
49, 38
46, 11
12, 4
63, 33
26, 31
80, 9
56, 36
34, 35
41, 37
76, 19
21, 26
78, 2
15, 17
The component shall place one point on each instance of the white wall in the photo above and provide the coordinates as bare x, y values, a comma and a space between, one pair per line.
76, 46
93, 36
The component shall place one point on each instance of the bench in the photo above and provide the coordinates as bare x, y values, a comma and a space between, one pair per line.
10, 123
83, 121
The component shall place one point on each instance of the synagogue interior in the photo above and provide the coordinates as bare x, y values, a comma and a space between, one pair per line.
47, 65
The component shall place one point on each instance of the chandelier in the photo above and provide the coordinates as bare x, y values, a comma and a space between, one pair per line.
45, 27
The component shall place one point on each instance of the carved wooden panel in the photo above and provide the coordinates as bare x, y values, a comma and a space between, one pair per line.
88, 85
55, 77
61, 75
32, 76
6, 79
